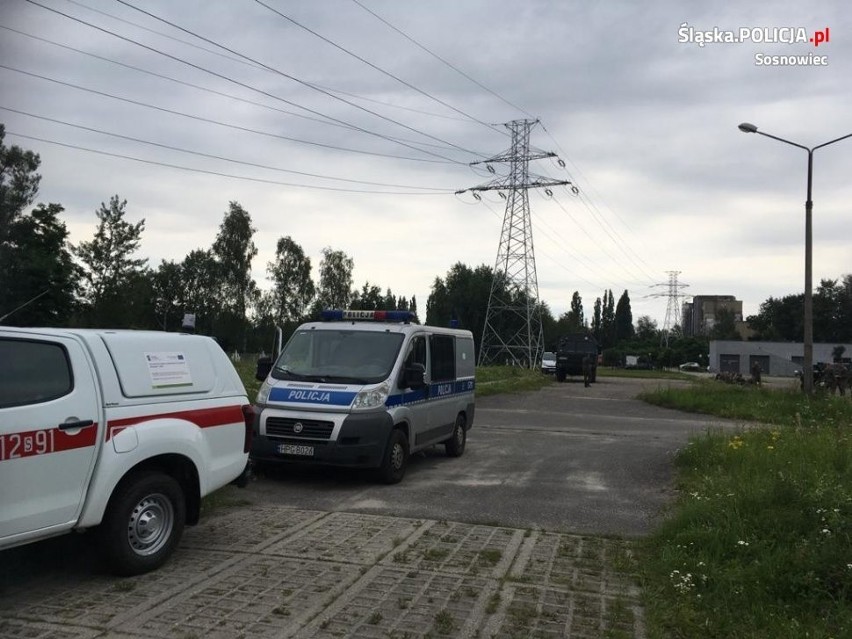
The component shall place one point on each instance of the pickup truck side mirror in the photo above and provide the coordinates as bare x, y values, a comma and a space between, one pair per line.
414, 376
264, 365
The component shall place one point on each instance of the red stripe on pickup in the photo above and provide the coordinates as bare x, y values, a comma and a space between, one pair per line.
202, 417
42, 442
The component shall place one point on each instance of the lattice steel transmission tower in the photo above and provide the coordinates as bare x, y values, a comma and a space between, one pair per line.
674, 306
512, 331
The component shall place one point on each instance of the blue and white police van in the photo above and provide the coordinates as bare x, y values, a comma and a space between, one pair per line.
365, 389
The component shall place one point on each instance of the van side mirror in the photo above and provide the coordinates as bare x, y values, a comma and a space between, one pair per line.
264, 365
414, 376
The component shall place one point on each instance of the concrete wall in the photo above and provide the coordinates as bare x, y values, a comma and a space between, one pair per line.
778, 356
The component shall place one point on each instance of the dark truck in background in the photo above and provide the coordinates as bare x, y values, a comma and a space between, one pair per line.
570, 353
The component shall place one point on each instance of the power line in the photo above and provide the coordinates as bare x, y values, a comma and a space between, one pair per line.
373, 66
436, 56
214, 157
591, 237
242, 84
237, 98
556, 261
608, 230
592, 204
298, 80
161, 34
216, 122
234, 59
216, 173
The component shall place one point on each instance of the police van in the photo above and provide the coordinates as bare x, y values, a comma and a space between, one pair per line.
365, 389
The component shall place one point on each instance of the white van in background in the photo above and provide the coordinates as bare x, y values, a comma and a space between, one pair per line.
365, 389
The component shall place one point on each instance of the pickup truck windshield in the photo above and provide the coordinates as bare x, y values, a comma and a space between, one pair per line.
342, 356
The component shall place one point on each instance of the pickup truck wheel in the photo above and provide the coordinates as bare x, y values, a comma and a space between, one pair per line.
143, 523
560, 376
455, 444
395, 461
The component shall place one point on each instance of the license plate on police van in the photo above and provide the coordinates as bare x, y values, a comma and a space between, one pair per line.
295, 449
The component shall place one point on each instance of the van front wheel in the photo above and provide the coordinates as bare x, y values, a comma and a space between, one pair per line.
455, 444
395, 461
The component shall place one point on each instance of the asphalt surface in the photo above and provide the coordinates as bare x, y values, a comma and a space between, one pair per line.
526, 535
568, 458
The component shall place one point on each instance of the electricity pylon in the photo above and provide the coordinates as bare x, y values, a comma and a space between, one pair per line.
512, 332
673, 308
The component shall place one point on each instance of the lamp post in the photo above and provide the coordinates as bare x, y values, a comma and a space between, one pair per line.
808, 363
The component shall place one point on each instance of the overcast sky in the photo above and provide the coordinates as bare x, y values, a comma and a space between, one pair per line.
367, 124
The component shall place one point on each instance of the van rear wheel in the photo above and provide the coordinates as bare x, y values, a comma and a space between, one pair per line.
395, 460
455, 444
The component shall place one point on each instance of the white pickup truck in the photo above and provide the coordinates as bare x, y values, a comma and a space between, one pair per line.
124, 431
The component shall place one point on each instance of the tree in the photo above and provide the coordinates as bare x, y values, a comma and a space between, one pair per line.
438, 303
38, 274
573, 321
412, 307
607, 338
549, 327
18, 183
109, 270
389, 302
597, 321
725, 326
234, 249
38, 270
782, 319
200, 284
335, 285
292, 286
370, 298
463, 297
646, 329
623, 319
168, 295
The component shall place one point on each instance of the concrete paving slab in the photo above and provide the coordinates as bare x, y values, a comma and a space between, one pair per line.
308, 574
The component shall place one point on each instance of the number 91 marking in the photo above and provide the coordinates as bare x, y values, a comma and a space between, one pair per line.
36, 442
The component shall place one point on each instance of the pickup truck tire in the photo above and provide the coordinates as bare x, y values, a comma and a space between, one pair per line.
395, 460
455, 444
143, 523
560, 375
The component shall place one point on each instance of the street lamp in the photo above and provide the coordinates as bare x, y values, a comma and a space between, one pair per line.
808, 364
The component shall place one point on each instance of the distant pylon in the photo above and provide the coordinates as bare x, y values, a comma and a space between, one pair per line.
512, 333
673, 308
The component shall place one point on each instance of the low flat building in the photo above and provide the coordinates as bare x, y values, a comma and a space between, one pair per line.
775, 358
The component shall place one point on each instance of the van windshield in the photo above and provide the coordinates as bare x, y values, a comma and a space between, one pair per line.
342, 356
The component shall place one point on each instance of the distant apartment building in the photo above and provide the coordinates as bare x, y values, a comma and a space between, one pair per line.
701, 314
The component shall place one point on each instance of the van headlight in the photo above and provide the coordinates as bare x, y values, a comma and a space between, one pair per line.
371, 398
263, 393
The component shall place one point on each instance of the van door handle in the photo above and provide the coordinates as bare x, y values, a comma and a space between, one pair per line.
79, 423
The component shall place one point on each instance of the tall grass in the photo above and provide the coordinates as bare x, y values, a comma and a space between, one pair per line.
759, 543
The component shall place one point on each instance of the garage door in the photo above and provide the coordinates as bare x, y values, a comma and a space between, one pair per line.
729, 363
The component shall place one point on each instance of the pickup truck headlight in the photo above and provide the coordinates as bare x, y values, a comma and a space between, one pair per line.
371, 398
263, 393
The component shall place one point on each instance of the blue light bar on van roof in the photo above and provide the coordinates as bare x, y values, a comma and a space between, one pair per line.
331, 315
